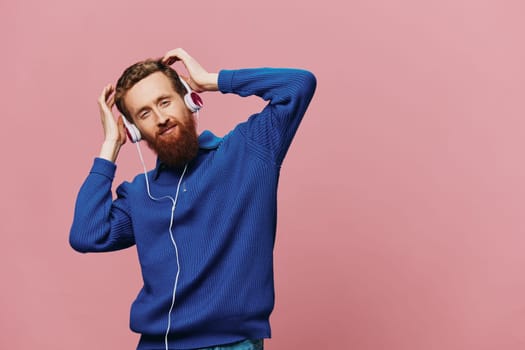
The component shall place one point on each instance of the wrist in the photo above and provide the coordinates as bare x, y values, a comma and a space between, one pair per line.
211, 82
110, 150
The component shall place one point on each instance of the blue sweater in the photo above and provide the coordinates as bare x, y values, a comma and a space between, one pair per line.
224, 223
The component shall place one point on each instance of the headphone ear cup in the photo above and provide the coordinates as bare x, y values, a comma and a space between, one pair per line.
193, 101
132, 131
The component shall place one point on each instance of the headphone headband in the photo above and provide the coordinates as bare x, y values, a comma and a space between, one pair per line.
186, 86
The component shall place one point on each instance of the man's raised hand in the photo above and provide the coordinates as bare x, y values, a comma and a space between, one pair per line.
200, 79
114, 131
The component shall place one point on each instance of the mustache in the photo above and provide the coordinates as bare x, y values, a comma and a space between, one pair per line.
169, 124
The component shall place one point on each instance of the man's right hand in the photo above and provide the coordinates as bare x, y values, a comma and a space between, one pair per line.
114, 131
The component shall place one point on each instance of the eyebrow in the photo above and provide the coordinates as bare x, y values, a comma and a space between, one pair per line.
162, 97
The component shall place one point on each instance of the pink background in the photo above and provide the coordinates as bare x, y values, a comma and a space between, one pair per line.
401, 201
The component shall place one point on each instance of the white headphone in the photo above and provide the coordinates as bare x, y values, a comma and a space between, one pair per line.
192, 100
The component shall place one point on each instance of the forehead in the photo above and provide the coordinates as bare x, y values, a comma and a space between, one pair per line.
147, 91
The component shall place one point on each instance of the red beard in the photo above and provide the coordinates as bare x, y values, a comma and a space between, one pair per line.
178, 148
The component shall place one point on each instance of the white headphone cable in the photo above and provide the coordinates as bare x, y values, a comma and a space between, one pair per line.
174, 201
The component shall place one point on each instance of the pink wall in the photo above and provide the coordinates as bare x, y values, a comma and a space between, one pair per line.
401, 201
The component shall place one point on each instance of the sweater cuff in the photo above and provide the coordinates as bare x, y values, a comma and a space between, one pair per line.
225, 81
104, 167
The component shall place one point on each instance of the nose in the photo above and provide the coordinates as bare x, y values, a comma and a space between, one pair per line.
161, 117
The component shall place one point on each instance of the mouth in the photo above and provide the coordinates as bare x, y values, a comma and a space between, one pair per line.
168, 130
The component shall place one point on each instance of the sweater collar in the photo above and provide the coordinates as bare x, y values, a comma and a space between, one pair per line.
207, 141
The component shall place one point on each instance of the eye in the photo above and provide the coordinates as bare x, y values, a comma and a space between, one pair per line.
165, 103
144, 115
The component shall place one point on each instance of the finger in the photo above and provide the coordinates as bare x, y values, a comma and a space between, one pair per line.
174, 55
170, 60
102, 95
110, 89
170, 57
105, 93
111, 101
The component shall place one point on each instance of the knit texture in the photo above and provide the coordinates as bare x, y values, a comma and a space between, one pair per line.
224, 222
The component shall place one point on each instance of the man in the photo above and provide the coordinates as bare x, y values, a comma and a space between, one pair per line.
203, 221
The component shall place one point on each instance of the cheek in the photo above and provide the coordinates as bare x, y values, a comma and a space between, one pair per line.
180, 114
147, 129
177, 110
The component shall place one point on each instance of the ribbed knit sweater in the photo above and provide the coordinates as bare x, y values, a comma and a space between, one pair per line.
224, 222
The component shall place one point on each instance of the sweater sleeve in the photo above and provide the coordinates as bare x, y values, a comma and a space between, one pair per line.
289, 92
99, 223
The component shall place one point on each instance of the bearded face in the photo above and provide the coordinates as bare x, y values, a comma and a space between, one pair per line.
163, 119
175, 143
